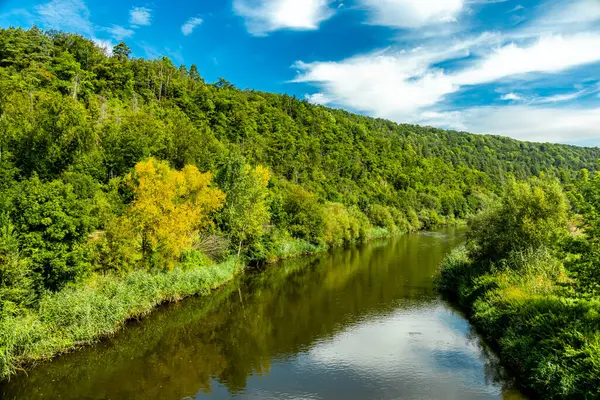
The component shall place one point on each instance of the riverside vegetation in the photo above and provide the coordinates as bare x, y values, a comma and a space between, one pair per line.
127, 182
529, 278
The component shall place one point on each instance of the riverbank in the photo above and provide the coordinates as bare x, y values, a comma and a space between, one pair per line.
101, 306
529, 286
272, 333
289, 247
82, 314
547, 338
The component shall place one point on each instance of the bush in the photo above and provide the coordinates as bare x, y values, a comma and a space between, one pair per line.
530, 214
455, 271
381, 216
360, 224
429, 218
304, 215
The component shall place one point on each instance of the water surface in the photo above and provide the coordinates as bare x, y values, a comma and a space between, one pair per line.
359, 323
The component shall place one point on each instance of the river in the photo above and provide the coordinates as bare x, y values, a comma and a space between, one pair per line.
358, 323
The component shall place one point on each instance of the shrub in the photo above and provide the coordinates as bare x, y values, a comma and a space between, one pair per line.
380, 216
304, 215
529, 214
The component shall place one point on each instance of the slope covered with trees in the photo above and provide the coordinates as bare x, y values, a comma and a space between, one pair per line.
116, 169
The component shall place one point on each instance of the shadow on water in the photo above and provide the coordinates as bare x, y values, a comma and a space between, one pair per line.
363, 322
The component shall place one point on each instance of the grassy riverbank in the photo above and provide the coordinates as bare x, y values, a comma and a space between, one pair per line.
84, 313
530, 287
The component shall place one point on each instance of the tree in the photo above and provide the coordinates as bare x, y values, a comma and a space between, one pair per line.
246, 211
529, 215
194, 74
121, 51
16, 283
53, 223
169, 208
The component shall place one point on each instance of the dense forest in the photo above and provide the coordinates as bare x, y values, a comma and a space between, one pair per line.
127, 182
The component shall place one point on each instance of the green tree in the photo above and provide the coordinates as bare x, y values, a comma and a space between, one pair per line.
246, 212
53, 223
529, 215
121, 51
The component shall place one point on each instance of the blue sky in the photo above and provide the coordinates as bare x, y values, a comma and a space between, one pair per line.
529, 69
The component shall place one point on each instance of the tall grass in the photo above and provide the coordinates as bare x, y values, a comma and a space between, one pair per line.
521, 305
85, 313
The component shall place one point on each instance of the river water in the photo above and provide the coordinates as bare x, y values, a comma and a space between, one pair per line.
359, 323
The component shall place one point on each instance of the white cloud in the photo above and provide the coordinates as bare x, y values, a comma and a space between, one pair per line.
190, 25
317, 98
572, 12
264, 16
105, 45
406, 87
516, 8
548, 54
67, 15
412, 13
540, 124
562, 17
511, 97
381, 84
151, 52
140, 16
557, 98
119, 33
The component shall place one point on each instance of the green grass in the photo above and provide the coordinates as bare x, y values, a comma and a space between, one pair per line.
523, 307
84, 313
289, 247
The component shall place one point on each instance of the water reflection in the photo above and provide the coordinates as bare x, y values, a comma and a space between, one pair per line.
356, 323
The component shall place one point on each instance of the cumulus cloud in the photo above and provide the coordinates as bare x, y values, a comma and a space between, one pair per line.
140, 16
317, 98
412, 13
264, 16
67, 15
190, 25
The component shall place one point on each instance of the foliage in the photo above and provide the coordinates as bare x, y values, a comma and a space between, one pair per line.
168, 210
529, 215
53, 223
534, 297
246, 211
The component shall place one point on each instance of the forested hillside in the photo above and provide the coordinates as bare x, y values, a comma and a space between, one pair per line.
115, 169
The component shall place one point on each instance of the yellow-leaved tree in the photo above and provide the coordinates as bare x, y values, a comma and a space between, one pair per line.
169, 208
